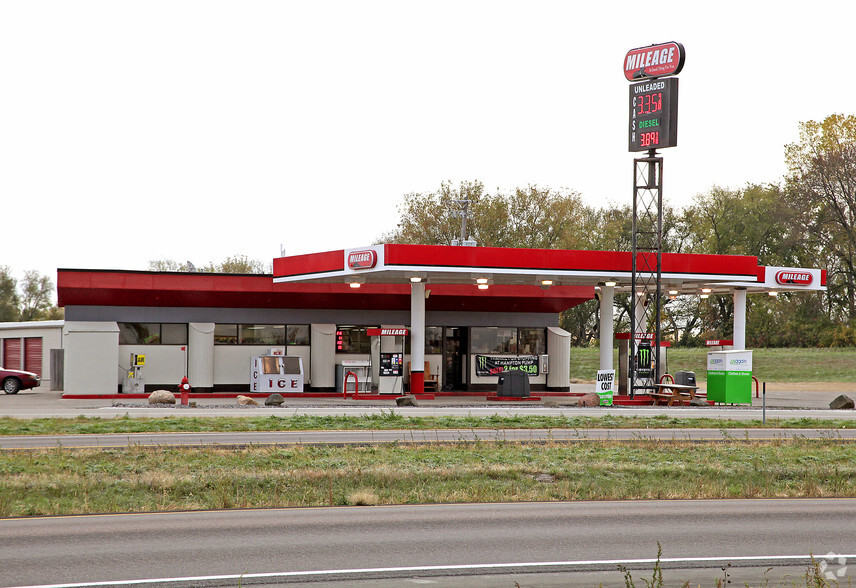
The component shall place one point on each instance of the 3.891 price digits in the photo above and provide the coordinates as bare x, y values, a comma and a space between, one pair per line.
649, 139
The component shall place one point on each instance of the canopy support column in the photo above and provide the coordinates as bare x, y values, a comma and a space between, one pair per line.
607, 300
417, 337
739, 335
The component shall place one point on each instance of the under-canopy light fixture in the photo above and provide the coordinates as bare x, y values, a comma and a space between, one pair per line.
706, 290
483, 286
354, 284
546, 282
673, 292
415, 280
705, 296
610, 284
773, 293
482, 282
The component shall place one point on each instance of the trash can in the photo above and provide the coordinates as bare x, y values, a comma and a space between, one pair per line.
513, 383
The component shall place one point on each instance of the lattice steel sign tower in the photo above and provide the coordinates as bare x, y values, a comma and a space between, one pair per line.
653, 125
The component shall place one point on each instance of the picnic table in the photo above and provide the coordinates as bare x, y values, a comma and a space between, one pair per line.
670, 393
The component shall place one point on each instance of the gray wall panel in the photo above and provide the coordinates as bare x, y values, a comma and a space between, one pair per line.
145, 314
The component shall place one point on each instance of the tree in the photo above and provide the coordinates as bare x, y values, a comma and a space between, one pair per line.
9, 301
821, 184
532, 217
37, 298
235, 264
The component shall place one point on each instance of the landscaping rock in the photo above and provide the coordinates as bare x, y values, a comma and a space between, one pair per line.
246, 401
589, 401
161, 397
842, 402
407, 400
698, 402
274, 400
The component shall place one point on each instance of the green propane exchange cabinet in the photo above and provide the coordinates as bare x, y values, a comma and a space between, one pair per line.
729, 376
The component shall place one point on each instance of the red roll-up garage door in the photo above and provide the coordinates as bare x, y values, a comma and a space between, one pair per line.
12, 354
33, 355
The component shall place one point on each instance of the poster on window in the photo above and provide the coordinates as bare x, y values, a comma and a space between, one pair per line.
491, 365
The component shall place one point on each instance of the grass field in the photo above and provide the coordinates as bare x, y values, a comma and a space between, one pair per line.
67, 481
769, 365
388, 420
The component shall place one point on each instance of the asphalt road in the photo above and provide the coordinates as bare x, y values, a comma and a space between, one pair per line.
534, 544
241, 439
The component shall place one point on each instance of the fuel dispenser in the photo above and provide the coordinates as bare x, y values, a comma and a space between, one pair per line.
134, 383
391, 358
276, 373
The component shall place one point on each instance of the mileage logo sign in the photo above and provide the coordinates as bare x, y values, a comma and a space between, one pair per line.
654, 61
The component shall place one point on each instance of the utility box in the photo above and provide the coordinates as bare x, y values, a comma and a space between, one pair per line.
729, 377
685, 378
513, 383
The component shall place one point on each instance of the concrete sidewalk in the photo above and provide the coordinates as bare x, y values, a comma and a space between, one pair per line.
789, 403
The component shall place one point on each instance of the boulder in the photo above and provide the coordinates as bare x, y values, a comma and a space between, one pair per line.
274, 400
407, 400
842, 402
161, 397
698, 402
589, 400
246, 401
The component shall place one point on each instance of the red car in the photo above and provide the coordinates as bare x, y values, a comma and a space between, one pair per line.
14, 380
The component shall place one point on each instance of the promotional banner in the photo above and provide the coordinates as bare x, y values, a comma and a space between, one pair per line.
491, 365
605, 386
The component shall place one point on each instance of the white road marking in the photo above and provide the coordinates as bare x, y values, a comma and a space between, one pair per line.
447, 568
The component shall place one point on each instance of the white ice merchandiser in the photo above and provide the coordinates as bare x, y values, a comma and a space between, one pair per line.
276, 373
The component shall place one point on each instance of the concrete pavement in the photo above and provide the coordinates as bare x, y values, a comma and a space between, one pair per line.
784, 402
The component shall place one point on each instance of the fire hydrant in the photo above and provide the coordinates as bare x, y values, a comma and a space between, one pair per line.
184, 389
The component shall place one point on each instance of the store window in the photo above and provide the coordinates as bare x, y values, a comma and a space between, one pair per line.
297, 334
225, 334
249, 334
531, 341
261, 334
152, 333
352, 339
434, 340
494, 340
508, 340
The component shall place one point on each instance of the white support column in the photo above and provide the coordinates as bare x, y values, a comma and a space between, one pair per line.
639, 314
417, 337
739, 320
607, 299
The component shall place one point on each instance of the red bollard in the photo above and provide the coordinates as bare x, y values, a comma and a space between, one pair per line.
184, 388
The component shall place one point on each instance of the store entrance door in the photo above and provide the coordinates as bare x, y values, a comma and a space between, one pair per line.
454, 358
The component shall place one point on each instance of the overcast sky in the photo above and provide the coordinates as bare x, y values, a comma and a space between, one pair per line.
196, 130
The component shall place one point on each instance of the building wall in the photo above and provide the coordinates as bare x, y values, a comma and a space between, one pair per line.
91, 357
50, 332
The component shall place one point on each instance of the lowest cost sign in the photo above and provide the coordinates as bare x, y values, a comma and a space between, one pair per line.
605, 386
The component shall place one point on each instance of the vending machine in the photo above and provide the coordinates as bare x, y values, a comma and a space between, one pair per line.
276, 373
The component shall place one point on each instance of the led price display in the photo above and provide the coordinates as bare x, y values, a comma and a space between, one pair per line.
653, 114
